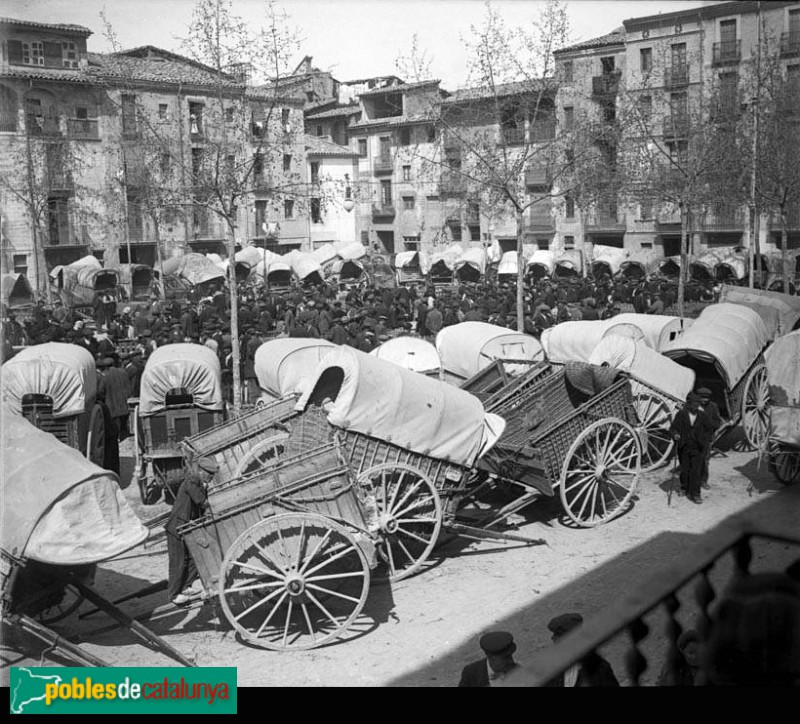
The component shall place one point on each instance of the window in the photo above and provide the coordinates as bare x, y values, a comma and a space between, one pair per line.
165, 162
386, 193
646, 60
793, 81
405, 136
69, 55
314, 172
365, 238
728, 91
362, 147
386, 149
430, 132
21, 264
285, 120
474, 232
569, 207
609, 113
679, 153
196, 119
569, 117
287, 161
258, 168
128, 115
727, 32
569, 156
543, 244
316, 211
33, 53
646, 209
81, 113
406, 173
411, 243
569, 243
310, 95
646, 245
162, 111
608, 64
432, 198
288, 209
408, 203
320, 130
677, 53
645, 104
567, 71
261, 217
455, 231
229, 114
197, 162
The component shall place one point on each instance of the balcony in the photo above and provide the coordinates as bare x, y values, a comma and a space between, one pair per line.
262, 183
85, 129
676, 76
383, 211
512, 136
43, 127
790, 44
540, 218
792, 219
8, 122
606, 85
383, 165
606, 220
543, 131
676, 125
727, 52
724, 217
452, 183
537, 178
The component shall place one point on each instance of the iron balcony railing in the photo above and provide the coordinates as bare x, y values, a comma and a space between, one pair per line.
605, 219
536, 177
724, 217
8, 122
383, 211
83, 128
383, 164
729, 51
513, 136
41, 126
676, 125
543, 131
606, 84
790, 44
676, 75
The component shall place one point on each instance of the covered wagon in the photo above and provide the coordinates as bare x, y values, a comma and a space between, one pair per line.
733, 268
607, 260
656, 330
441, 270
568, 263
412, 353
78, 284
540, 264
137, 280
411, 266
471, 265
780, 312
641, 264
305, 268
783, 376
16, 292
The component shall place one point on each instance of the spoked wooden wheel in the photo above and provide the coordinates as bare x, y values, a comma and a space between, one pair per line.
600, 472
784, 463
264, 454
755, 408
409, 517
294, 581
96, 439
68, 601
655, 419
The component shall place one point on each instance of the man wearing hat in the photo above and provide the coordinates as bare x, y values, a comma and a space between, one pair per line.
190, 503
693, 432
593, 670
499, 648
712, 410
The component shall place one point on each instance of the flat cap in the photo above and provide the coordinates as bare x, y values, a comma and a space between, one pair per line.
704, 392
208, 464
563, 624
497, 642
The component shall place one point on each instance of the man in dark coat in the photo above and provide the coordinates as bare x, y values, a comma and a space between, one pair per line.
592, 670
190, 503
715, 418
693, 432
499, 648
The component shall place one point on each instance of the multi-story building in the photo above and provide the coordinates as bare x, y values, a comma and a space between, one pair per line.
102, 154
681, 71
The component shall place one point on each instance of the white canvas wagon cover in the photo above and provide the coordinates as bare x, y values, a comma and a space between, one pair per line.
64, 372
401, 407
412, 260
284, 366
58, 507
783, 374
728, 335
573, 341
508, 264
412, 353
657, 329
780, 312
610, 256
16, 289
192, 367
468, 347
304, 265
194, 268
474, 257
543, 258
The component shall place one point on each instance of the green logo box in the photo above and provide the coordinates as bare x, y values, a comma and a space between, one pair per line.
122, 690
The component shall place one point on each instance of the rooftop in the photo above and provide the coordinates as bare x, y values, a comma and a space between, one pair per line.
351, 110
39, 73
400, 87
394, 121
323, 146
63, 27
615, 37
502, 90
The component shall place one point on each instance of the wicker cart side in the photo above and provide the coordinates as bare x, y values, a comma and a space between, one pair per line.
520, 390
330, 493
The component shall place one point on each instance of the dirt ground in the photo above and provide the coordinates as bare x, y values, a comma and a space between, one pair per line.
423, 630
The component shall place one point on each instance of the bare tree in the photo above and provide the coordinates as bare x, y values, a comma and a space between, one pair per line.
416, 66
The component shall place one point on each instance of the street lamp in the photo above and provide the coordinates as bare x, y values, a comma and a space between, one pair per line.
348, 202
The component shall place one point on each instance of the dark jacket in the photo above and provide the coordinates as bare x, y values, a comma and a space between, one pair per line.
594, 671
474, 674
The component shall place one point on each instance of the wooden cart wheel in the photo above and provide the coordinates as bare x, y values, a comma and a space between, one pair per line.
96, 438
294, 581
784, 463
409, 516
755, 408
69, 602
655, 418
264, 454
600, 472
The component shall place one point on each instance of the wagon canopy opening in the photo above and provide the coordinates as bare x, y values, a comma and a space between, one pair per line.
732, 267
392, 404
411, 353
471, 266
182, 366
641, 264
284, 366
607, 260
63, 372
16, 291
468, 347
568, 264
540, 264
140, 276
670, 268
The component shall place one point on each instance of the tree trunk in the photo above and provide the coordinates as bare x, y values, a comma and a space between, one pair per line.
684, 259
784, 252
520, 274
237, 372
159, 258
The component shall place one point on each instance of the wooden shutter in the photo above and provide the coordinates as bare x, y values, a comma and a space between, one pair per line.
14, 51
52, 54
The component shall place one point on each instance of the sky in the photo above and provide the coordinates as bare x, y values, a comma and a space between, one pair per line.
351, 38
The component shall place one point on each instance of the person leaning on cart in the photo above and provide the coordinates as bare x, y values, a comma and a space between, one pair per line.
190, 503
